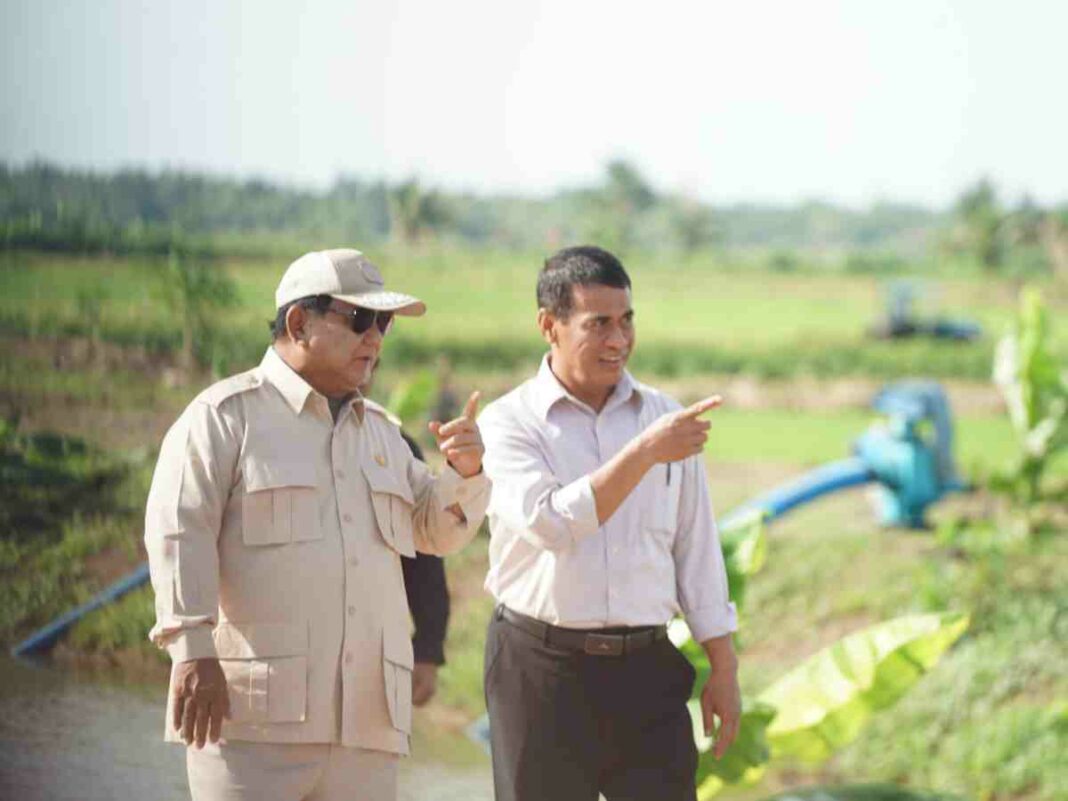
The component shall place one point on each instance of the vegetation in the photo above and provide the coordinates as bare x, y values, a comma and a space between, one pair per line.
199, 293
1035, 387
861, 792
821, 705
63, 504
695, 316
117, 287
46, 207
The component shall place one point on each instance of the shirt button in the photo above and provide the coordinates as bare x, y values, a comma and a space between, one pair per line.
348, 657
352, 610
353, 561
340, 474
347, 517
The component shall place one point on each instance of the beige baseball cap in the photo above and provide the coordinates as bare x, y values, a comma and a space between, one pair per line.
347, 275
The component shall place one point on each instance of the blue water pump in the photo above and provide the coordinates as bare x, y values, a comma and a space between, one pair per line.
911, 453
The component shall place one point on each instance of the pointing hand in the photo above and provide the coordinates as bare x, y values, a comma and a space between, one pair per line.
460, 441
680, 434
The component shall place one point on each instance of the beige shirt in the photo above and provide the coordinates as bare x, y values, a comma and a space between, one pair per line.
274, 537
656, 556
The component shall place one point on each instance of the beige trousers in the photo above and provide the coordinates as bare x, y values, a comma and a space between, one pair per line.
241, 771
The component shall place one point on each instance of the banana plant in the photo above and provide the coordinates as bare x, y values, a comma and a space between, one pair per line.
1035, 388
821, 705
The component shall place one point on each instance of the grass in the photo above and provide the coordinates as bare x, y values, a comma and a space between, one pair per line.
808, 436
67, 525
992, 720
692, 316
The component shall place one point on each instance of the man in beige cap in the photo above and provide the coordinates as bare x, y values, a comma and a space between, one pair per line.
279, 509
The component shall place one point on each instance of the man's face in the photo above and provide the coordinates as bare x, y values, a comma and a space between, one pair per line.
339, 361
591, 347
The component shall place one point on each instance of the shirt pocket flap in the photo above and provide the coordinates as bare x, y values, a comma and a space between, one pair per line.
397, 648
393, 503
265, 474
260, 640
280, 502
385, 481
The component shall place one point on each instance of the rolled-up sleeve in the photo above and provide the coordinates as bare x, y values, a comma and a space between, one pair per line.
190, 489
701, 576
527, 497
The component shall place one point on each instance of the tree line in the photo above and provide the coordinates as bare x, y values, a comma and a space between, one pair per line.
50, 207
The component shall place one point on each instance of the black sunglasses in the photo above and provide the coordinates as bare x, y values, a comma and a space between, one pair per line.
362, 319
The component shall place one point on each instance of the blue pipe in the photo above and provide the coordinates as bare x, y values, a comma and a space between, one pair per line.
819, 481
47, 636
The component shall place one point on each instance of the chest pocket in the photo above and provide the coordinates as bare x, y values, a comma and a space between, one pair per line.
663, 487
662, 498
280, 504
394, 506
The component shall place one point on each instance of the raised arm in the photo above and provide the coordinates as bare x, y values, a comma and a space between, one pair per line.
552, 515
450, 507
670, 438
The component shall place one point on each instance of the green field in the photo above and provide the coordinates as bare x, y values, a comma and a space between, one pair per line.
693, 317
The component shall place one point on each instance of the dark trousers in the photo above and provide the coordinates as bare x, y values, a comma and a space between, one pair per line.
565, 725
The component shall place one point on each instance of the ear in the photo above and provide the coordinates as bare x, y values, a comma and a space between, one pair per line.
547, 325
296, 321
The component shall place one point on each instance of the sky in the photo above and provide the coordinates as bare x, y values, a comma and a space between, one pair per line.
851, 102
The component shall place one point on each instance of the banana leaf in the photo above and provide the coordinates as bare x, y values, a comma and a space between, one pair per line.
744, 545
823, 703
744, 761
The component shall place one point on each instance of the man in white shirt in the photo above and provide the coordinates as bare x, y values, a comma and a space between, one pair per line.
602, 531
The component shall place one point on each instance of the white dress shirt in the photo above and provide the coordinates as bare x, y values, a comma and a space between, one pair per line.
656, 556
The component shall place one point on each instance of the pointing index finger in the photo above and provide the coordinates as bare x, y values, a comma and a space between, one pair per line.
471, 407
702, 406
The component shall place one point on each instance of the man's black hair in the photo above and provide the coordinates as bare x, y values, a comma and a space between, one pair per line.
578, 266
314, 303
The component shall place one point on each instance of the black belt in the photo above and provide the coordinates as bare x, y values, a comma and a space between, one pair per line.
596, 643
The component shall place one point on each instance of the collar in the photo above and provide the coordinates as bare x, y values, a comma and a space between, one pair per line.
294, 389
547, 390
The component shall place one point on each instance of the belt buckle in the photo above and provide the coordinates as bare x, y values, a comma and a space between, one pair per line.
603, 644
